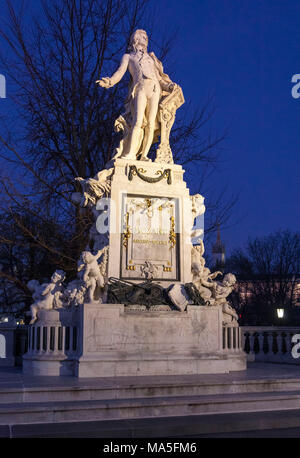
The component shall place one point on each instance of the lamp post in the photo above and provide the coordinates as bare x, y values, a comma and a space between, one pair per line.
280, 313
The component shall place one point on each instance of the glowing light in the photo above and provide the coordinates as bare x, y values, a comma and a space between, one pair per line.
280, 313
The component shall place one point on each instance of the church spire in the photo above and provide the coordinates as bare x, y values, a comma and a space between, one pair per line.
218, 250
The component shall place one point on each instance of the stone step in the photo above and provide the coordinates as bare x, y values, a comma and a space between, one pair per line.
248, 424
109, 409
51, 389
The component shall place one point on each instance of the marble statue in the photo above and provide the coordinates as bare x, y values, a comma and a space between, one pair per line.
46, 296
93, 275
221, 291
148, 270
149, 112
198, 209
202, 276
75, 293
93, 188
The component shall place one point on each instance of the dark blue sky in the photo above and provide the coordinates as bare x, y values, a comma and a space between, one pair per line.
245, 52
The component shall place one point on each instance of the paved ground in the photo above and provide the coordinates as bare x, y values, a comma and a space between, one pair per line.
250, 424
13, 377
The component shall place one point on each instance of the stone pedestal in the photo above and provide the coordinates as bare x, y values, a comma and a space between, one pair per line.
148, 238
150, 221
117, 342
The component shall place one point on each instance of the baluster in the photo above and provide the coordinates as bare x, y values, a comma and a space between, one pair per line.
55, 338
270, 345
255, 342
30, 339
224, 338
275, 345
41, 338
260, 352
48, 339
283, 343
71, 339
266, 347
252, 342
75, 338
63, 337
279, 341
229, 338
35, 338
234, 338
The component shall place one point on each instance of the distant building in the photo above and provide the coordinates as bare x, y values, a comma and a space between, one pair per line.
218, 251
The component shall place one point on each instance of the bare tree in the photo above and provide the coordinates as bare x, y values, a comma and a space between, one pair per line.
66, 127
268, 273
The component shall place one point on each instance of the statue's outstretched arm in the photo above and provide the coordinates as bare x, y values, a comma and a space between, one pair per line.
117, 76
99, 254
47, 289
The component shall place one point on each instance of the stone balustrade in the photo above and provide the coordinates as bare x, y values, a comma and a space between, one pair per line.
53, 339
232, 338
49, 339
270, 343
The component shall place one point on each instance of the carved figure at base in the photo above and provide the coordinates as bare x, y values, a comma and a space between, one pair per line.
92, 275
75, 292
48, 295
221, 291
149, 83
198, 209
203, 280
202, 276
93, 188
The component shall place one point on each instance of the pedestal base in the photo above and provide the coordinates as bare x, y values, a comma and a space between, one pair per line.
116, 342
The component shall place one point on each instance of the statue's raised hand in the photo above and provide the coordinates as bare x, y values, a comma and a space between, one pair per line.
104, 82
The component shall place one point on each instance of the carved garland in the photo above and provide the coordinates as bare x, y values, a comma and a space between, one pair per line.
165, 174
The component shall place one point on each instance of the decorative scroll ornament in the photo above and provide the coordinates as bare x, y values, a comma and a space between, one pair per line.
172, 236
127, 233
134, 171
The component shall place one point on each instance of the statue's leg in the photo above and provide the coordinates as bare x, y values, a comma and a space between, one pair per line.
92, 289
140, 102
33, 310
100, 281
151, 112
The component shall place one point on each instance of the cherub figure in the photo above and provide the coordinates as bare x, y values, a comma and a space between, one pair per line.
148, 270
221, 291
203, 280
202, 276
92, 275
46, 296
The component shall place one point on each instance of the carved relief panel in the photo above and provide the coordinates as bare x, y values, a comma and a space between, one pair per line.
150, 238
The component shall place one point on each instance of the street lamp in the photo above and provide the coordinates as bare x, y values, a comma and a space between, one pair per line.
280, 313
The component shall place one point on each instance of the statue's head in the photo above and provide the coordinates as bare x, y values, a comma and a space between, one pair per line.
59, 275
87, 257
138, 40
229, 280
196, 268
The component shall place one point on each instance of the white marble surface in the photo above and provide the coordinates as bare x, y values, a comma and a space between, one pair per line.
120, 343
122, 187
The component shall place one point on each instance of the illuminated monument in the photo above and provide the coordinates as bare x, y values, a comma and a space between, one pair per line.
143, 302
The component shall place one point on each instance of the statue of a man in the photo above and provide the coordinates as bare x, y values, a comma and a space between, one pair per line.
148, 82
